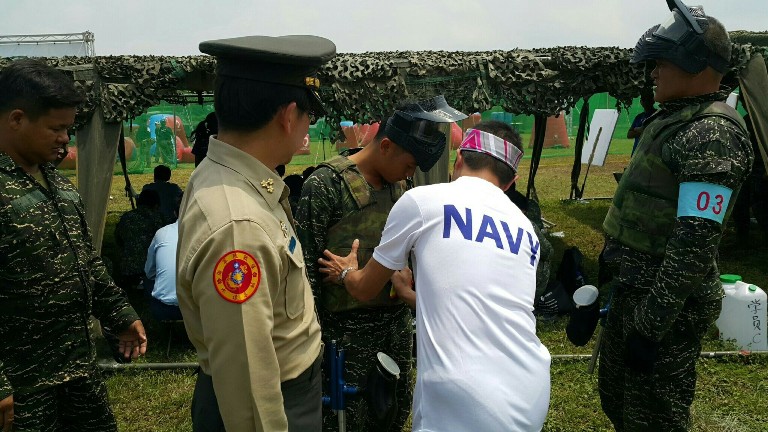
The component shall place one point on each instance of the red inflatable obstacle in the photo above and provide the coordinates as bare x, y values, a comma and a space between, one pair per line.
358, 135
304, 149
70, 160
457, 136
370, 133
181, 134
471, 121
556, 135
183, 153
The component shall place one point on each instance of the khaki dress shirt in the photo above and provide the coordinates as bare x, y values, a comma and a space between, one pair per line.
235, 227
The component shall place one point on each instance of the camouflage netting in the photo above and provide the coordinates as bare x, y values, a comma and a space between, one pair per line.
131, 84
366, 87
751, 38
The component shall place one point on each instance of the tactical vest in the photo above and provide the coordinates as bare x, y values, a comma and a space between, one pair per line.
365, 224
644, 209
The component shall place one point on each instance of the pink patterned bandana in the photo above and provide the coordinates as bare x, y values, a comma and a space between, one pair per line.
492, 145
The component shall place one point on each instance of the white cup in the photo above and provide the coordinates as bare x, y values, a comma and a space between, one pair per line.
585, 296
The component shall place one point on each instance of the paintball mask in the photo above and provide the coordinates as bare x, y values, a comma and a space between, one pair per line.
414, 127
381, 388
680, 40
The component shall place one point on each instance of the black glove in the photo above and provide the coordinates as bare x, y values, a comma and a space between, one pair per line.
582, 323
554, 301
641, 353
546, 304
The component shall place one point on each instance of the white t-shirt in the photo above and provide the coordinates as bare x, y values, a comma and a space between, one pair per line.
481, 366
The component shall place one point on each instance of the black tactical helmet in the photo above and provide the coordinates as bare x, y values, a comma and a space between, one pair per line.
680, 40
414, 127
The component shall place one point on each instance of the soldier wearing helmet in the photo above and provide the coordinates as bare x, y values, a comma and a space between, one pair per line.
665, 223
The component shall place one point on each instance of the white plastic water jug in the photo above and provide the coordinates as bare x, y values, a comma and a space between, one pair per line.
729, 282
744, 316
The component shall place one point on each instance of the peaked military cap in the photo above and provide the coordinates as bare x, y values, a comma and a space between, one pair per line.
289, 60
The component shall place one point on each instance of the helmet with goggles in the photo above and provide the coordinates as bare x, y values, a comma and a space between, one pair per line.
680, 40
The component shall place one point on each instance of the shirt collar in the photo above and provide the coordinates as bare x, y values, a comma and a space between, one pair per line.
678, 104
265, 181
6, 163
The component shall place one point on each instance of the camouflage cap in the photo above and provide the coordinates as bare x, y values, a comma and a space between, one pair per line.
289, 60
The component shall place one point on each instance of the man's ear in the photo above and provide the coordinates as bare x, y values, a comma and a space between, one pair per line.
15, 118
287, 116
386, 145
459, 162
509, 185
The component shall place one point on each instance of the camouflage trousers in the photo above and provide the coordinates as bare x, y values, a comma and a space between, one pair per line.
362, 333
80, 405
661, 400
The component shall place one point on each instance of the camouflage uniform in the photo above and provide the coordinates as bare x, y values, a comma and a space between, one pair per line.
664, 267
133, 233
546, 250
532, 210
333, 211
166, 147
51, 281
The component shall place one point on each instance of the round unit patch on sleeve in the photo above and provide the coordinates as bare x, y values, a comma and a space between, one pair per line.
236, 276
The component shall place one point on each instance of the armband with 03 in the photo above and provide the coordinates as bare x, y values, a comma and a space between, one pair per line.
344, 273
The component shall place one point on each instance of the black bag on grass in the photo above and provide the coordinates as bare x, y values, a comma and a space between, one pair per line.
571, 271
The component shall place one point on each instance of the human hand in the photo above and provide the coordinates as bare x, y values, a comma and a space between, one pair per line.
402, 283
132, 342
6, 413
334, 264
641, 353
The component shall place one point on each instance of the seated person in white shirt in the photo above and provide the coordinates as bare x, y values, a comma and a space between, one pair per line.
160, 269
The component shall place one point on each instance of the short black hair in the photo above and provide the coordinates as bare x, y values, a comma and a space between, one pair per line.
479, 161
307, 171
162, 173
244, 105
716, 38
148, 198
294, 183
36, 88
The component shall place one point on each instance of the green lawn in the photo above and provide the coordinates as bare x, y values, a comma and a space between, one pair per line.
730, 390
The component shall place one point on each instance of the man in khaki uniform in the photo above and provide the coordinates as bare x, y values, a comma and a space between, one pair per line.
241, 282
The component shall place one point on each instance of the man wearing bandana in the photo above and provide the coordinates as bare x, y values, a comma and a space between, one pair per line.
665, 223
481, 366
349, 197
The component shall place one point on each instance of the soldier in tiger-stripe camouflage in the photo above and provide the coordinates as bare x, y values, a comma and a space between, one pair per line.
665, 224
51, 278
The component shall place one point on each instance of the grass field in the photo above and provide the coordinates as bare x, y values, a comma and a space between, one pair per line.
730, 394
